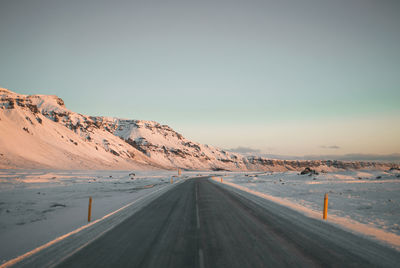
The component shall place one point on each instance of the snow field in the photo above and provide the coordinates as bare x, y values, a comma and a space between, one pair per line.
366, 202
40, 205
37, 206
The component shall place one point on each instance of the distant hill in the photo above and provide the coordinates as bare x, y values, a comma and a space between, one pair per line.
38, 131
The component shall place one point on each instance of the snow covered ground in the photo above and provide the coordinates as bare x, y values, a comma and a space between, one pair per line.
366, 201
37, 206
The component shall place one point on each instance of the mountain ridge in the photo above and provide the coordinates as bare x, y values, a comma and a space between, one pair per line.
38, 131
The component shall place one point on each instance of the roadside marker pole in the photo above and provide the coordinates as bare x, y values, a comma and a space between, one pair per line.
221, 179
179, 171
90, 209
325, 213
172, 180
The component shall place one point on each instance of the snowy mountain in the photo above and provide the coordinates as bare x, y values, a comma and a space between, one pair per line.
38, 131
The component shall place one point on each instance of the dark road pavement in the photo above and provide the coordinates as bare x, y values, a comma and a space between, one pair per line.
199, 223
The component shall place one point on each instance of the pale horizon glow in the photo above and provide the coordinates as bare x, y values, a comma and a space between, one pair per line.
295, 139
280, 77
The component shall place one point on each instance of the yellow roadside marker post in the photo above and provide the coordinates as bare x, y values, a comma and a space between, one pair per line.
221, 179
90, 209
179, 171
172, 180
325, 213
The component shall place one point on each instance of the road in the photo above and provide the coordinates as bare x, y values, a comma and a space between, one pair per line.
199, 223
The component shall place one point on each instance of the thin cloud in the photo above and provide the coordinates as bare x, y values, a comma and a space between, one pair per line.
333, 147
244, 150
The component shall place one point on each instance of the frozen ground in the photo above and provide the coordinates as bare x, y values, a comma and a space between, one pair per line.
363, 201
38, 206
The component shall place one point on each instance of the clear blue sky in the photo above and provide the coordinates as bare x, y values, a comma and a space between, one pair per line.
285, 77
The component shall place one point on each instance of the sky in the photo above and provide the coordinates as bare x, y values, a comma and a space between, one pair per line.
284, 77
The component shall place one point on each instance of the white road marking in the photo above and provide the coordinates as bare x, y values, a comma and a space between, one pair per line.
57, 262
201, 258
197, 209
58, 239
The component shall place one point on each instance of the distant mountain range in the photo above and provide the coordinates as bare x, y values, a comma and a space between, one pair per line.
38, 131
391, 158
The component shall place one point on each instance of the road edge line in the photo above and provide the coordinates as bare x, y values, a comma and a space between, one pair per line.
389, 239
62, 237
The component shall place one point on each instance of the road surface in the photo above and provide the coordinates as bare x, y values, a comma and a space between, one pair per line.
200, 223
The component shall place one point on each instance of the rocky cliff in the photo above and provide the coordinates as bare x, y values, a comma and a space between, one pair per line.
38, 131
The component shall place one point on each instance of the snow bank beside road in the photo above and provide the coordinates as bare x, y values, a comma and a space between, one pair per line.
38, 206
366, 202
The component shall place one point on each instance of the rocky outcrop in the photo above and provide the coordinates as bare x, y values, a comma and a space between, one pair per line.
308, 171
117, 141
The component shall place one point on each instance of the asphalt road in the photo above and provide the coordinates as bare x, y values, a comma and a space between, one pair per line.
199, 223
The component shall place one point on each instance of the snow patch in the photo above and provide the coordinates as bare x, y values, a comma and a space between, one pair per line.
367, 205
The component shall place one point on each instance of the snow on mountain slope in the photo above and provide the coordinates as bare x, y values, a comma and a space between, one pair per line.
169, 148
38, 131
